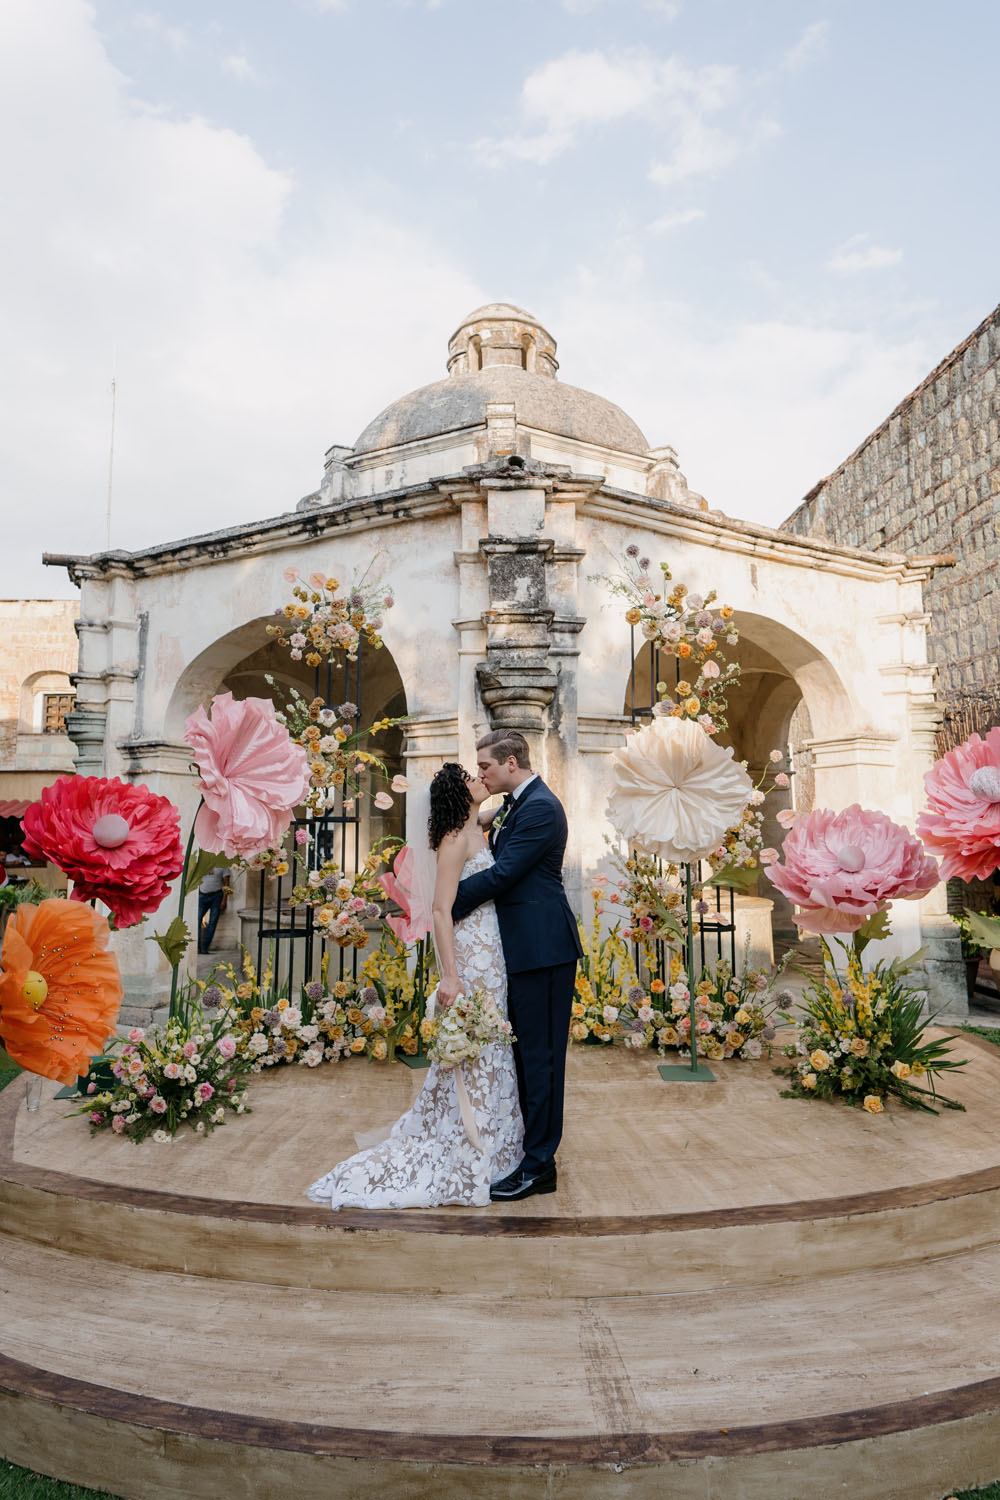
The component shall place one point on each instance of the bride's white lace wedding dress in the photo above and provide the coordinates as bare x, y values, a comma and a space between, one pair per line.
427, 1158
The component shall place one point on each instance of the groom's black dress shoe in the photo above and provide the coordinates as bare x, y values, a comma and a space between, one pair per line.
523, 1183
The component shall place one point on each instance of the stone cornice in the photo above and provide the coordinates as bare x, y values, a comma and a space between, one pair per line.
442, 495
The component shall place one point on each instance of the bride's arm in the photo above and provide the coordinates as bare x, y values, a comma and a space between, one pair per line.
451, 858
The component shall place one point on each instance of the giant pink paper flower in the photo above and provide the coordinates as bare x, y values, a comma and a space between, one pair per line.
117, 842
403, 887
962, 820
843, 867
253, 775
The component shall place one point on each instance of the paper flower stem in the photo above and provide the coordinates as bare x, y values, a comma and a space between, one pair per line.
690, 966
182, 887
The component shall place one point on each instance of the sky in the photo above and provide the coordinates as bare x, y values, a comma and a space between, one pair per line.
754, 227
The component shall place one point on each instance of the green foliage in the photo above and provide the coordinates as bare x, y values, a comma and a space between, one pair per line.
12, 895
874, 929
741, 877
863, 1038
21, 1484
172, 943
983, 931
200, 866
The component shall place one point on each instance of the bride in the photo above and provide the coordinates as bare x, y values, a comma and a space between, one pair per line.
427, 1157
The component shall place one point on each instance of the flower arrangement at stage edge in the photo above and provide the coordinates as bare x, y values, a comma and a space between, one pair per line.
605, 975
961, 824
348, 1018
341, 903
676, 793
862, 1039
60, 988
338, 765
403, 986
322, 621
688, 627
840, 868
188, 1073
465, 1029
734, 1015
117, 842
253, 775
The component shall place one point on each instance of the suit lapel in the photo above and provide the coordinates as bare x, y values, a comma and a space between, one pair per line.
514, 810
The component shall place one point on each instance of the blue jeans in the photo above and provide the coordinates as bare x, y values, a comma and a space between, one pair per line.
211, 902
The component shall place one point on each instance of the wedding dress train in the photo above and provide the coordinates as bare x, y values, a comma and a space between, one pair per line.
427, 1158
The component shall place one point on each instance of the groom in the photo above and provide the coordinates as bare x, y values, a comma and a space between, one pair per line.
540, 943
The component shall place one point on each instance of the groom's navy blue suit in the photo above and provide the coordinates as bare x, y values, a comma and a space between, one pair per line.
541, 945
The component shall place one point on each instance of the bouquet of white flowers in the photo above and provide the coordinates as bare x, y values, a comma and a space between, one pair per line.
459, 1033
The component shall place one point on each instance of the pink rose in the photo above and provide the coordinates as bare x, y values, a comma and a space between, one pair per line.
172, 1070
136, 1034
226, 1046
189, 1049
117, 1124
158, 1104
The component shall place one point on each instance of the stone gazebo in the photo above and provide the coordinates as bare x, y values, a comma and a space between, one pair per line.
495, 496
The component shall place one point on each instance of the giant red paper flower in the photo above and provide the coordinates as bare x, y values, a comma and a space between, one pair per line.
403, 887
60, 988
843, 867
253, 775
962, 821
115, 841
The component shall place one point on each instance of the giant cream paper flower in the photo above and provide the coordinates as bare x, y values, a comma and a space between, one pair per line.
676, 792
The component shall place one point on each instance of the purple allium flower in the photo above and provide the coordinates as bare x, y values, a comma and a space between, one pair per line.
330, 882
279, 1047
636, 994
348, 710
372, 910
272, 1018
631, 550
357, 600
644, 563
314, 990
369, 995
212, 998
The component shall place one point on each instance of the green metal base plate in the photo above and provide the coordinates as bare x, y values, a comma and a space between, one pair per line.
71, 1091
420, 1061
684, 1073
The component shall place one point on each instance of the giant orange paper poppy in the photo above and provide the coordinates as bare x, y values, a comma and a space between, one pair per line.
60, 988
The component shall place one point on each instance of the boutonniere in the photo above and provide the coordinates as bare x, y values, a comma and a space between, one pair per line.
501, 818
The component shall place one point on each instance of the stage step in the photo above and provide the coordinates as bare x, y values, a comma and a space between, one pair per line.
763, 1380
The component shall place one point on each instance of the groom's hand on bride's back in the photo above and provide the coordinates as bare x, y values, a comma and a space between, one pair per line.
448, 991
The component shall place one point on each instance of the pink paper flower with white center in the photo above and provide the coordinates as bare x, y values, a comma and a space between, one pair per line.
253, 775
962, 821
843, 867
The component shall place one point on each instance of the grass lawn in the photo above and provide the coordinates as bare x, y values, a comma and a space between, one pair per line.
21, 1484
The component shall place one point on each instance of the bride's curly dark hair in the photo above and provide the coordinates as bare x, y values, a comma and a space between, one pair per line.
450, 802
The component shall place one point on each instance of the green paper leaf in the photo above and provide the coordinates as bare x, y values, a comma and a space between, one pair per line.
199, 868
740, 877
984, 930
874, 929
907, 965
172, 943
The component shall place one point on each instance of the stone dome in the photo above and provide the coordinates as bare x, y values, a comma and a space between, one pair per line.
500, 353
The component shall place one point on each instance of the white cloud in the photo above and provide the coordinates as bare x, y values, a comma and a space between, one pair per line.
242, 346
856, 254
239, 66
810, 44
677, 220
701, 149
758, 410
177, 38
580, 91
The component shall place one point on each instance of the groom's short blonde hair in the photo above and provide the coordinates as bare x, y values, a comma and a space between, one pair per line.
502, 743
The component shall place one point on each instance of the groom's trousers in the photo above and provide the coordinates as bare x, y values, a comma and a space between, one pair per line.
540, 1004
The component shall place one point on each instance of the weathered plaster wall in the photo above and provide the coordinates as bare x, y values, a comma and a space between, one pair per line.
38, 652
928, 481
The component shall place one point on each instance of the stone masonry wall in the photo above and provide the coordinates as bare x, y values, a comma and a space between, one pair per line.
928, 481
36, 635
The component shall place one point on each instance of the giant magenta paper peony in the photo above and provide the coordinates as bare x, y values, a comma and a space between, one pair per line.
60, 988
962, 821
676, 792
253, 775
843, 867
118, 842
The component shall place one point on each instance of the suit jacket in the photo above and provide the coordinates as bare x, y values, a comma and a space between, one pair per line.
537, 928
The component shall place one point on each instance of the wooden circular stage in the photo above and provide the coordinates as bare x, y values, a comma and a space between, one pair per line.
731, 1295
